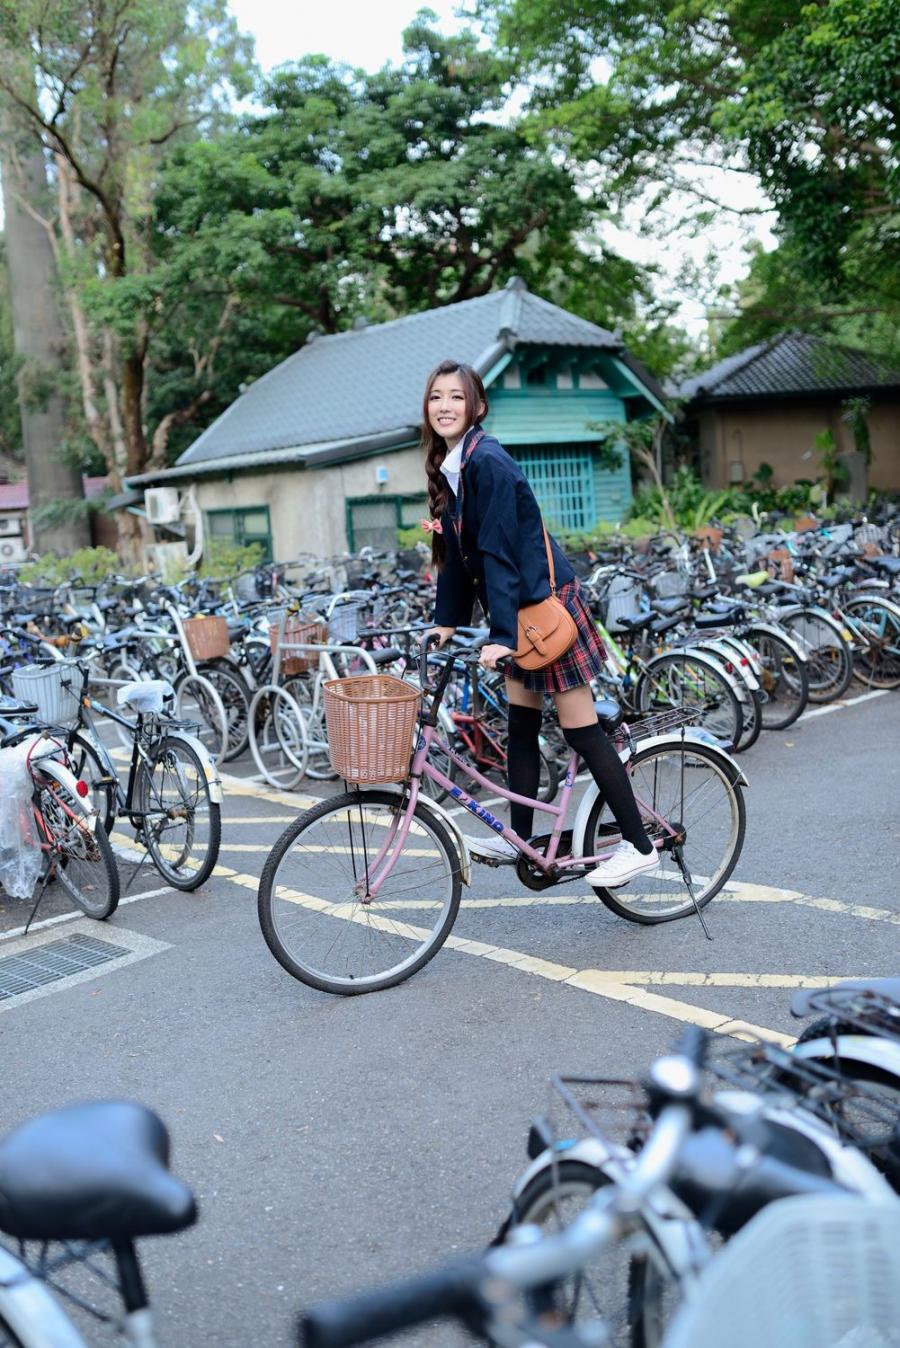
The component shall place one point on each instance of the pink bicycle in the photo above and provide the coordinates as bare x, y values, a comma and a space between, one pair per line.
362, 890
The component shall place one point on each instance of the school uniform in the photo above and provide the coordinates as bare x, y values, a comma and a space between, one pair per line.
495, 552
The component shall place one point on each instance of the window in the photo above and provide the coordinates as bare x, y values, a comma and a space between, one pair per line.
562, 478
373, 521
242, 527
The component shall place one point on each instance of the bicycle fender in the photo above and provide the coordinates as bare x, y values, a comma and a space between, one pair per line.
31, 1312
784, 636
711, 658
733, 771
866, 1049
447, 819
216, 794
724, 651
66, 779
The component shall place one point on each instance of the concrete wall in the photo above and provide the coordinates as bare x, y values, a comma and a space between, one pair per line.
785, 436
307, 506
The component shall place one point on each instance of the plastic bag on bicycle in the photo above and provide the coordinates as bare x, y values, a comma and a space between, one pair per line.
20, 851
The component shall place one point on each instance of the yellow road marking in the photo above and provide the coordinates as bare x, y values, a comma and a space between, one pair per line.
659, 978
238, 786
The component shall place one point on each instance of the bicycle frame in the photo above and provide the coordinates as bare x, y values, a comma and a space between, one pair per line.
378, 870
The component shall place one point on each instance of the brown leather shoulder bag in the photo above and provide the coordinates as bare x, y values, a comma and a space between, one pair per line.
546, 629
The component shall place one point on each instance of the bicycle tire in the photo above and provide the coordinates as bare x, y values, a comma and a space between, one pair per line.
829, 667
751, 720
180, 786
235, 696
877, 664
198, 703
84, 863
551, 1199
784, 679
88, 764
317, 881
697, 683
8, 1337
648, 899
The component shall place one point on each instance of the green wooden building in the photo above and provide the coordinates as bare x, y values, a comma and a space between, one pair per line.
321, 454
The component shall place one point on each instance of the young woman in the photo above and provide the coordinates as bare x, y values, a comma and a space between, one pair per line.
488, 543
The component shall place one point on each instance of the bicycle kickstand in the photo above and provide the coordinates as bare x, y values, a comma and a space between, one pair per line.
43, 882
678, 854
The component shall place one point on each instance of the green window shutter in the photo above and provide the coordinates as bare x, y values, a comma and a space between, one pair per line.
562, 479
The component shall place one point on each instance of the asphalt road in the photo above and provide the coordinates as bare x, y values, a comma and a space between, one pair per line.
333, 1142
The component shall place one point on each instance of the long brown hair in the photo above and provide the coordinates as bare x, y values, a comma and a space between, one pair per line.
435, 446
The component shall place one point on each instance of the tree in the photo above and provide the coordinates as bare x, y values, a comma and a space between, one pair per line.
53, 476
648, 95
107, 90
358, 195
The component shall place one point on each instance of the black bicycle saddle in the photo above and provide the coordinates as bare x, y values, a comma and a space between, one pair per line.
91, 1172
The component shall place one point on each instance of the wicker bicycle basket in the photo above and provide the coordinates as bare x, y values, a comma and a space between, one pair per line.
54, 689
207, 638
299, 630
371, 719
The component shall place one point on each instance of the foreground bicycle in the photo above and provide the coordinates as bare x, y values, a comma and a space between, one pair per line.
361, 891
789, 1194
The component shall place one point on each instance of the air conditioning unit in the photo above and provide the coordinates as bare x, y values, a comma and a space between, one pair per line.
10, 524
12, 550
166, 560
162, 505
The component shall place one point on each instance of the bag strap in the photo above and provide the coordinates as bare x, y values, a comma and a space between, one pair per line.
457, 517
549, 560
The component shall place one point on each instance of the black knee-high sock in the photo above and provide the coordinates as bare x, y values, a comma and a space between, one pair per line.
523, 763
605, 766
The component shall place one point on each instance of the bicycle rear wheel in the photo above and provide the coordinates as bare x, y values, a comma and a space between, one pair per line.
674, 680
689, 786
830, 665
783, 678
198, 703
180, 823
313, 907
85, 866
877, 662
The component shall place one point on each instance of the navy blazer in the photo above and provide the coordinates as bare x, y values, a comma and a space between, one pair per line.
502, 560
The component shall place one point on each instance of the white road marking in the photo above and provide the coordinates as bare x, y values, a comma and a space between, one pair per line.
841, 704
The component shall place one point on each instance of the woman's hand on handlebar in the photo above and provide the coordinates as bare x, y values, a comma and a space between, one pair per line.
443, 634
491, 654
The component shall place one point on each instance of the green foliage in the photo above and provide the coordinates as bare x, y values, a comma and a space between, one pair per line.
639, 93
10, 424
87, 566
835, 473
223, 558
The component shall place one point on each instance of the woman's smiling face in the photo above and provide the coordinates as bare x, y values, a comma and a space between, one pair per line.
447, 410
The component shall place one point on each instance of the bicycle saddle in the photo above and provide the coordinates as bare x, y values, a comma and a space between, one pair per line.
635, 622
91, 1172
884, 987
891, 565
609, 714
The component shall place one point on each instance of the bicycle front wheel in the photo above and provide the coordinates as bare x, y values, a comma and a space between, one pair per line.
783, 678
198, 703
689, 786
84, 863
315, 911
179, 822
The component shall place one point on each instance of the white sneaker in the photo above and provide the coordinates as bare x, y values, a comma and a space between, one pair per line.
492, 848
623, 865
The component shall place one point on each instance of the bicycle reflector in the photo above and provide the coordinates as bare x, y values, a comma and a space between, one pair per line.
82, 788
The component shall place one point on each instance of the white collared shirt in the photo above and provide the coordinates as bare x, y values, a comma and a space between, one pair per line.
452, 464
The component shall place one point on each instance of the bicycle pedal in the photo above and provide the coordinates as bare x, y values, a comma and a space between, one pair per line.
486, 861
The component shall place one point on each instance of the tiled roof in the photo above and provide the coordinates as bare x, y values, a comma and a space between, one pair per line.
360, 384
792, 363
14, 495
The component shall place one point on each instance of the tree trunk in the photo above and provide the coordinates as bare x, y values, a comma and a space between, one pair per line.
39, 340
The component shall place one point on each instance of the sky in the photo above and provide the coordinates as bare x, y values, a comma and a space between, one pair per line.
368, 33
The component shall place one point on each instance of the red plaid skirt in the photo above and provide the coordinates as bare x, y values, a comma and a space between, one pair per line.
581, 663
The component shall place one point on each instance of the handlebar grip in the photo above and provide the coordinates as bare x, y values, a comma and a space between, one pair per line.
448, 1291
692, 1044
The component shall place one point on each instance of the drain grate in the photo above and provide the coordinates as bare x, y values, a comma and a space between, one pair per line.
49, 963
